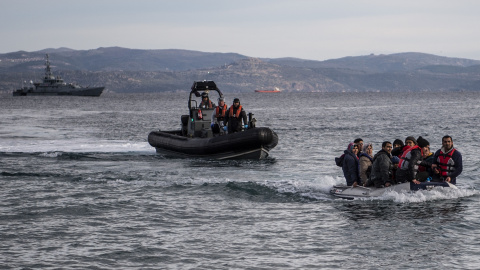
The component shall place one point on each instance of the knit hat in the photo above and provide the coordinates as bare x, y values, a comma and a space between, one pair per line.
411, 138
236, 100
422, 142
398, 141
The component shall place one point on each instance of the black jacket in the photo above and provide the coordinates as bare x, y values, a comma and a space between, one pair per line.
408, 170
381, 168
234, 123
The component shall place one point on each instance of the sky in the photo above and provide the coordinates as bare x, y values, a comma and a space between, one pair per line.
307, 29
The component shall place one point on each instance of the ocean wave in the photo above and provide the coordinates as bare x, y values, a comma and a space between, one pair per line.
74, 145
437, 193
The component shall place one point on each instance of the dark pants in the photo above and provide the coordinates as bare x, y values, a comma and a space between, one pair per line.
234, 125
403, 176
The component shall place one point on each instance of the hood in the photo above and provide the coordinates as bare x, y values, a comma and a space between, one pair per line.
350, 147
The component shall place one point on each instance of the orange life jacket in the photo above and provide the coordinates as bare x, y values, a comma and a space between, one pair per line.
405, 158
221, 113
207, 106
446, 162
237, 114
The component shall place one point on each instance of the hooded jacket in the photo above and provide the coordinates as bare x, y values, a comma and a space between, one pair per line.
365, 161
351, 166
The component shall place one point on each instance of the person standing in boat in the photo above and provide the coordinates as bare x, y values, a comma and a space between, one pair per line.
350, 167
234, 117
366, 158
206, 102
411, 158
218, 116
447, 162
382, 167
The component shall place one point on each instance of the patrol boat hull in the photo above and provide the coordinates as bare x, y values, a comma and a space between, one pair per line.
348, 192
253, 143
89, 92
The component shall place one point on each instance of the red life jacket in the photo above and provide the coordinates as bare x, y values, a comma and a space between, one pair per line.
405, 148
446, 162
221, 113
405, 158
237, 114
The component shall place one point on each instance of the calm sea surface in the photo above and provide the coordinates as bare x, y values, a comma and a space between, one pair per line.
82, 189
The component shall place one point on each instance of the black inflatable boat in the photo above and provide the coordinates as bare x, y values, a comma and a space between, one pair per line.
196, 138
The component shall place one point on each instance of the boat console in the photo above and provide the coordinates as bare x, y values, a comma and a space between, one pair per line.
199, 120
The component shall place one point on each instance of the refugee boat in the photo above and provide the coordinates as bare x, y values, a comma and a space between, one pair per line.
349, 192
195, 139
55, 86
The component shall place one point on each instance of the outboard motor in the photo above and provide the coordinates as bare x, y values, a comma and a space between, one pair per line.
251, 121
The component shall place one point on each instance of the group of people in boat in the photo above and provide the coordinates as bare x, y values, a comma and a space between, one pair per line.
224, 118
400, 162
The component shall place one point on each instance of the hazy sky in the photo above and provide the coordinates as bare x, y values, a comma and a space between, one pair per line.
309, 29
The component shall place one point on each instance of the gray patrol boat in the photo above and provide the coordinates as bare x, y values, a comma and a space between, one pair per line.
55, 86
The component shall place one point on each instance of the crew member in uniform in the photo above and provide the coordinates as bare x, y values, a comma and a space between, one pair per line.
234, 117
218, 117
206, 102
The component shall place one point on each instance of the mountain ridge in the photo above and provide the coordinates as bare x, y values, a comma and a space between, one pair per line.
135, 70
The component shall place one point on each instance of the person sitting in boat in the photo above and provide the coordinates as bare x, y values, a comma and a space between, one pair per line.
397, 147
218, 117
425, 171
359, 143
206, 102
447, 162
411, 158
382, 167
409, 142
365, 161
398, 143
234, 117
351, 166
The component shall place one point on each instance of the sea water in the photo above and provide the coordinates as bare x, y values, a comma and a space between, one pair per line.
81, 188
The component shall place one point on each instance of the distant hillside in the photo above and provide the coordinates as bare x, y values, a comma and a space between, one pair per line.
116, 59
380, 63
128, 70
